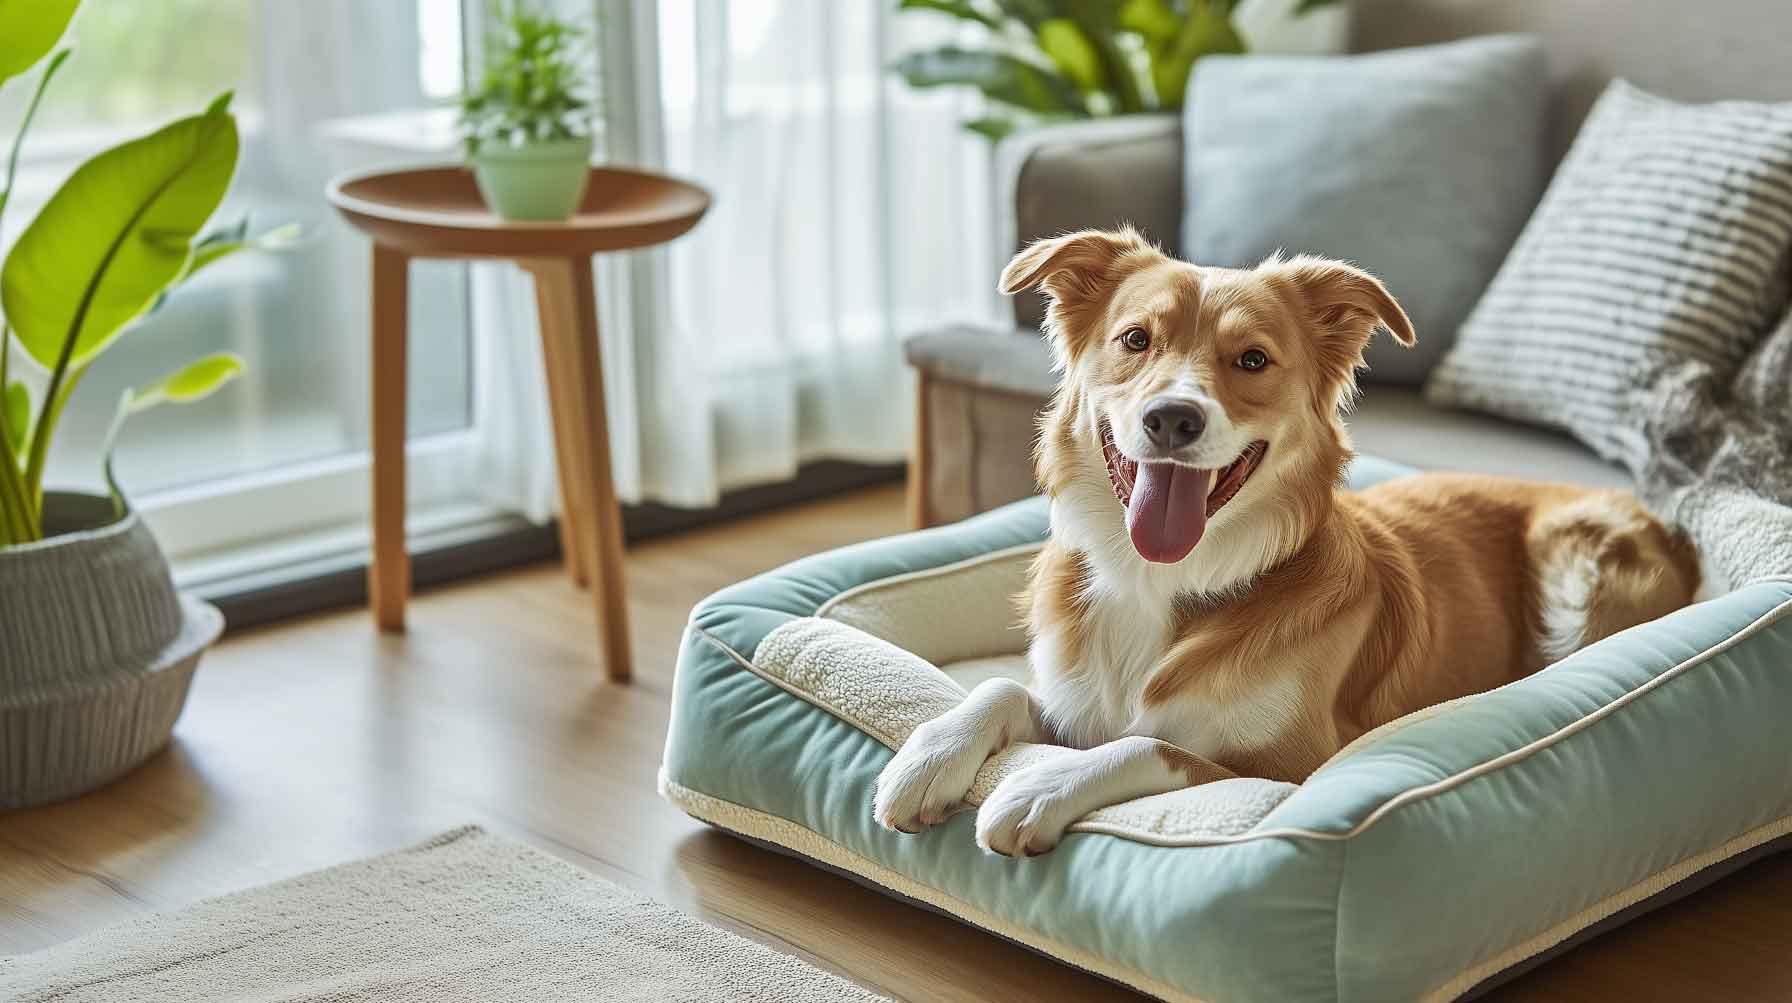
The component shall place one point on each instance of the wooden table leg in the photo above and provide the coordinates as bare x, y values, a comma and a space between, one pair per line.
569, 300
389, 577
920, 459
562, 404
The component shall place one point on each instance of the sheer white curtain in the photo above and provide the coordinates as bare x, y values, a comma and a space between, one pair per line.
849, 211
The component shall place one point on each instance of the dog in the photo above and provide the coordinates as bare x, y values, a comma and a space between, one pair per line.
1211, 603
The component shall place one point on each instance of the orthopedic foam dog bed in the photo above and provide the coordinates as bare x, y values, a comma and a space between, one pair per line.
1433, 857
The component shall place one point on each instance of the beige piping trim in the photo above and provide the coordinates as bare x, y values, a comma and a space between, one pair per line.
1409, 796
987, 557
1655, 884
811, 844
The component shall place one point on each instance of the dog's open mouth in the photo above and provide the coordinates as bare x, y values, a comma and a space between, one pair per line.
1168, 504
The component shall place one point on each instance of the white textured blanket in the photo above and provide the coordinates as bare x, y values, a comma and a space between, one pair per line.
1720, 458
466, 916
887, 691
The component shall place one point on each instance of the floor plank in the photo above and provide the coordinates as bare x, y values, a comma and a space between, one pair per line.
312, 743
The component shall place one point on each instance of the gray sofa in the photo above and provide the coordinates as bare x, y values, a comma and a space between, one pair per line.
980, 389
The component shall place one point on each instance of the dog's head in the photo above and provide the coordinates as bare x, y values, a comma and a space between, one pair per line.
1198, 389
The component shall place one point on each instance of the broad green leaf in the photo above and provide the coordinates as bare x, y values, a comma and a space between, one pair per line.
28, 30
991, 127
85, 266
195, 381
998, 75
956, 8
18, 416
1204, 33
1151, 19
1072, 53
1097, 20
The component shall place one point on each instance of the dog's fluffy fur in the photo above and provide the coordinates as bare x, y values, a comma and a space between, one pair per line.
1305, 615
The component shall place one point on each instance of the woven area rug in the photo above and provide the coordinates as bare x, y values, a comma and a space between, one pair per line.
465, 916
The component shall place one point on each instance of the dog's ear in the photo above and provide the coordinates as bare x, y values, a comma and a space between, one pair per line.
1345, 305
1075, 268
1075, 271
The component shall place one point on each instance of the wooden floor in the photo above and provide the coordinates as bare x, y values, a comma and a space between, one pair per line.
313, 743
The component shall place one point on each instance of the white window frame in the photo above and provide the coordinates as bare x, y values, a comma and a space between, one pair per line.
312, 511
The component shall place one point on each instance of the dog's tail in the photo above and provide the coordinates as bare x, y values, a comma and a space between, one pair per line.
1602, 563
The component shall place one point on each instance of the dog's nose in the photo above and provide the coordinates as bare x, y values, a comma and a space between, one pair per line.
1172, 422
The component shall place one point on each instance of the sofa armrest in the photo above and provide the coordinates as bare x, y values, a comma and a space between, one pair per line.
978, 395
1014, 362
1097, 173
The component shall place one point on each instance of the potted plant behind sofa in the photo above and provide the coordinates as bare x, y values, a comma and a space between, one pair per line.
527, 125
96, 646
1056, 60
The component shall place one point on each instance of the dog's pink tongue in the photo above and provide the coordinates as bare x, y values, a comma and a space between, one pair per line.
1168, 511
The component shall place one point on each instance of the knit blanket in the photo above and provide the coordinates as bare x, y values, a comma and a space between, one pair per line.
1720, 459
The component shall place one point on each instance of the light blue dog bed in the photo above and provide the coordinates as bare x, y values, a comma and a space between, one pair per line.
1436, 855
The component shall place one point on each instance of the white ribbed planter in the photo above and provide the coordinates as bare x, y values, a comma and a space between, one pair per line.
96, 651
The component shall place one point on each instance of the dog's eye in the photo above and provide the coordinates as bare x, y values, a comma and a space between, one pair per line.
1136, 339
1253, 360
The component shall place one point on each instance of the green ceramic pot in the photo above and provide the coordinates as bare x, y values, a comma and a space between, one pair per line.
537, 181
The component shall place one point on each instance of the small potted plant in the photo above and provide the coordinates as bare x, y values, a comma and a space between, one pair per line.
96, 646
527, 125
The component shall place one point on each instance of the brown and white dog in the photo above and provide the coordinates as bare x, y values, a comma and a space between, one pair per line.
1210, 603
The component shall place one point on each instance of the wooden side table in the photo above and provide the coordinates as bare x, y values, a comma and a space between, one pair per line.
436, 212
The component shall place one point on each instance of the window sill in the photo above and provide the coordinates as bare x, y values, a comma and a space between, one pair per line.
307, 572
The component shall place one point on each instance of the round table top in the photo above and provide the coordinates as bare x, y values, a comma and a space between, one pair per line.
438, 212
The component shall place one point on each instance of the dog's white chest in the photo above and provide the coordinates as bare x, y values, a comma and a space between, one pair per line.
1097, 698
1095, 693
1100, 697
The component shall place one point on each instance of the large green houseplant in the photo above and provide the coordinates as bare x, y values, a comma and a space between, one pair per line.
121, 232
1047, 60
96, 646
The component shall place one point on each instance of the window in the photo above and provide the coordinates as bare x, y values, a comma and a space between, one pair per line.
440, 52
281, 451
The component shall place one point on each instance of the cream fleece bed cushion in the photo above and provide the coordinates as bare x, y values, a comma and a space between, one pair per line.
1646, 763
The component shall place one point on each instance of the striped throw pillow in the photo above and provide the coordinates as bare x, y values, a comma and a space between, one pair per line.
1664, 237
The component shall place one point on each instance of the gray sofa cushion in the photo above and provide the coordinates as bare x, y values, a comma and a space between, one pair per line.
1419, 164
1399, 424
1663, 241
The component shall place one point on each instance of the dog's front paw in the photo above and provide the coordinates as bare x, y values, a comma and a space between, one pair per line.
1029, 810
929, 777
